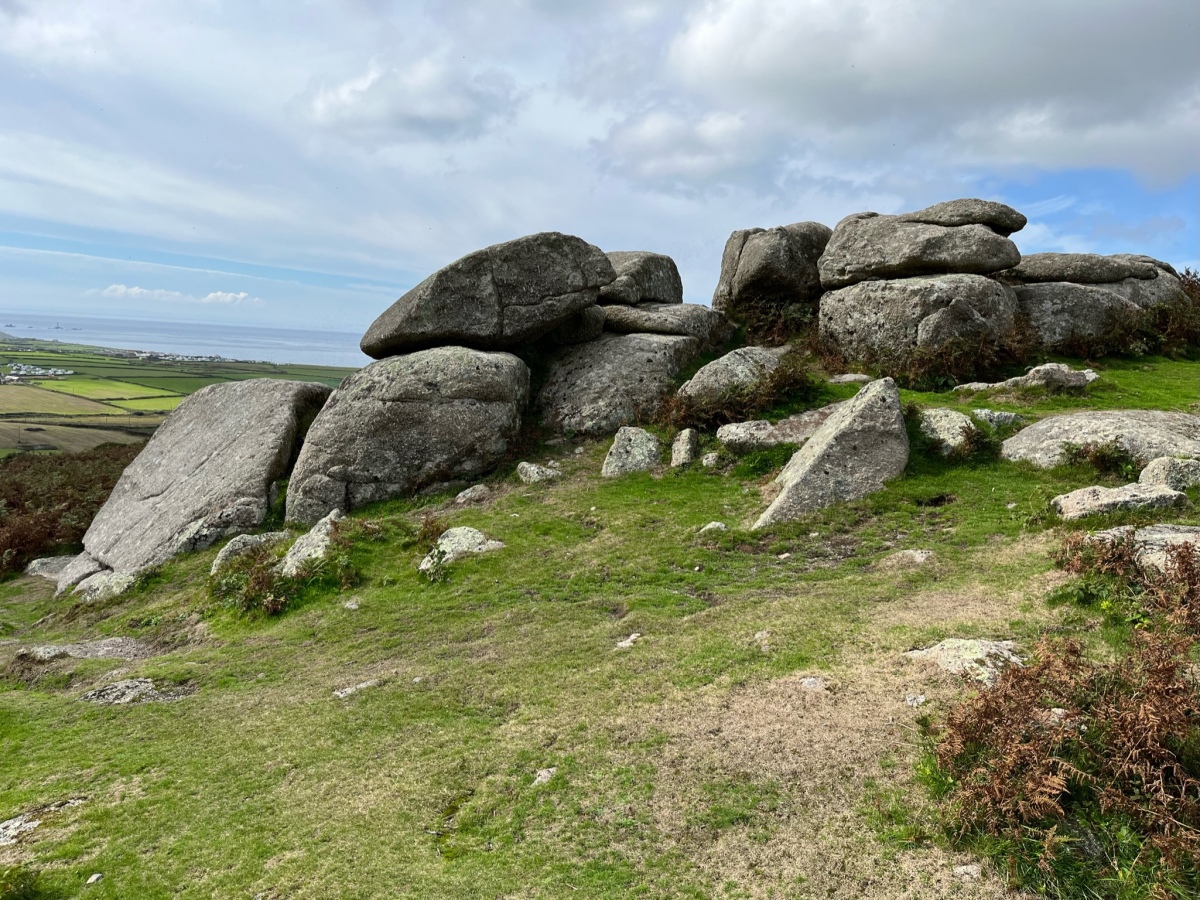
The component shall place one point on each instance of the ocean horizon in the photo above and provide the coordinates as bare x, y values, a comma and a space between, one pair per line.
235, 342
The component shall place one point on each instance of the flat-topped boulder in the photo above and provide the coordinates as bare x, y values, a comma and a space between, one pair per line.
404, 423
1145, 434
1097, 500
1079, 268
498, 298
1052, 377
207, 473
642, 277
891, 319
999, 217
738, 370
597, 387
1152, 544
860, 447
703, 323
868, 246
947, 429
771, 270
759, 434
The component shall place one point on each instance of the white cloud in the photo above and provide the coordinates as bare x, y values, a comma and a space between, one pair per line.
122, 292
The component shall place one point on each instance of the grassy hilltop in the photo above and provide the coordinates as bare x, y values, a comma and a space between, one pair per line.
502, 744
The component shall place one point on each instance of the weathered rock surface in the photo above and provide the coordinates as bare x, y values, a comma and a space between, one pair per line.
476, 493
1079, 268
642, 277
869, 246
1096, 500
979, 660
890, 319
455, 543
948, 429
80, 568
633, 450
532, 473
1148, 293
862, 445
1051, 376
597, 387
406, 422
997, 418
207, 473
105, 648
706, 325
131, 690
311, 547
685, 449
1061, 310
771, 269
1177, 474
1142, 258
851, 378
745, 437
104, 586
737, 370
1152, 543
244, 544
498, 298
1002, 219
904, 559
583, 326
49, 567
1144, 434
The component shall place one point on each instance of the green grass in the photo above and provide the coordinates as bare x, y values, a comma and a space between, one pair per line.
98, 388
20, 399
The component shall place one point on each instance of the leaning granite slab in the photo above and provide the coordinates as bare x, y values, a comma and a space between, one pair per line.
860, 447
207, 473
404, 423
1144, 434
642, 277
1177, 474
633, 450
243, 545
685, 449
1097, 500
311, 547
1061, 310
759, 434
49, 567
687, 319
1079, 268
738, 370
596, 388
948, 429
892, 319
497, 298
1152, 543
455, 543
79, 569
870, 246
979, 660
1051, 376
771, 270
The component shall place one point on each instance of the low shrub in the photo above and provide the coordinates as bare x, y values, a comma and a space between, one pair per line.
18, 883
789, 383
1110, 460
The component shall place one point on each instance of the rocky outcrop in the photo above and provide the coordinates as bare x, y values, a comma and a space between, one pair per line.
1079, 268
208, 472
454, 544
642, 277
78, 569
1002, 219
997, 418
498, 298
633, 450
1144, 434
596, 388
870, 246
1152, 544
739, 370
243, 545
532, 473
1096, 500
1062, 310
1177, 474
771, 270
859, 448
979, 660
407, 422
891, 319
1053, 377
947, 429
311, 547
745, 437
707, 326
50, 567
1165, 290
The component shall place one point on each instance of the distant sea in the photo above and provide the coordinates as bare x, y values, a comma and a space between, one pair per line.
277, 345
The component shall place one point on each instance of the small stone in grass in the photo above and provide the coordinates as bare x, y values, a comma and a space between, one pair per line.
95, 878
967, 873
914, 700
629, 641
544, 775
814, 683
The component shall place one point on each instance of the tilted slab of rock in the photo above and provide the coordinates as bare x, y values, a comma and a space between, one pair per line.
1079, 268
870, 246
744, 437
890, 319
948, 429
632, 450
79, 569
686, 319
771, 269
861, 446
642, 277
207, 473
455, 543
1096, 500
1051, 376
1177, 474
685, 449
1151, 544
498, 298
407, 422
311, 547
245, 544
1145, 434
1000, 218
49, 567
596, 388
1061, 310
739, 369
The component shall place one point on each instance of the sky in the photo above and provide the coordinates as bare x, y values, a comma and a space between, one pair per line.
294, 163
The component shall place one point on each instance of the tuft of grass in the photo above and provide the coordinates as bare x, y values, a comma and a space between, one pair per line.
18, 883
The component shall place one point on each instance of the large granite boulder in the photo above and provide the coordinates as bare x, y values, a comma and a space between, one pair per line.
1002, 219
208, 472
703, 323
497, 298
861, 446
869, 246
1164, 290
405, 423
738, 370
890, 319
642, 277
1145, 434
597, 387
771, 269
1062, 310
1079, 268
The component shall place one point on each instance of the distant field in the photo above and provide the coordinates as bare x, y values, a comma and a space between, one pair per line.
63, 437
150, 404
19, 398
99, 388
